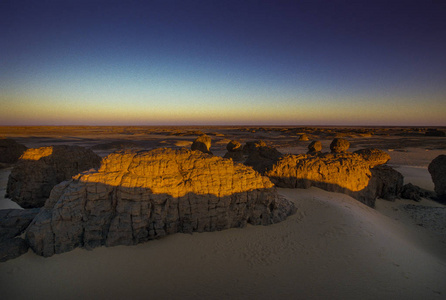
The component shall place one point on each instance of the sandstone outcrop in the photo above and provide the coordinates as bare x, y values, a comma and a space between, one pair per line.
235, 151
10, 151
202, 143
373, 156
252, 146
345, 173
138, 196
40, 169
437, 169
314, 147
386, 182
339, 145
262, 158
13, 223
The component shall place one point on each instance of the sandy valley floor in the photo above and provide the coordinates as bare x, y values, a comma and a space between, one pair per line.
334, 247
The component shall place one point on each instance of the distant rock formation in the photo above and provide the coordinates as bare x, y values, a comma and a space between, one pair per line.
373, 156
339, 145
40, 169
437, 169
435, 132
314, 147
138, 196
10, 150
235, 151
202, 143
13, 223
304, 138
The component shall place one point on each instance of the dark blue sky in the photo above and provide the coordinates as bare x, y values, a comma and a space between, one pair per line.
223, 62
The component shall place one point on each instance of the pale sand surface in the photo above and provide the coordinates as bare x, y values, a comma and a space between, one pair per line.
334, 247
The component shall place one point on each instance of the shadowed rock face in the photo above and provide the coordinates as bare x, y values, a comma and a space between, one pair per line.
235, 151
314, 147
139, 196
10, 150
437, 169
202, 143
40, 169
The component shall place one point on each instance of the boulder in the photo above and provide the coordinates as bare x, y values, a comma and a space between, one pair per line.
386, 183
139, 196
339, 145
235, 151
252, 146
234, 146
202, 143
314, 147
10, 151
13, 222
304, 138
40, 169
437, 169
413, 192
12, 248
373, 156
263, 158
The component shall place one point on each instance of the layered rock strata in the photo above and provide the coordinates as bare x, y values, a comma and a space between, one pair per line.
138, 196
40, 169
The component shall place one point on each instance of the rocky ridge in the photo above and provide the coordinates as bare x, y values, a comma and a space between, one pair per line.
138, 196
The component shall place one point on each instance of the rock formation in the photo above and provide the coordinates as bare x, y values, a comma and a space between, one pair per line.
262, 158
343, 172
386, 182
139, 196
437, 169
202, 143
304, 138
339, 145
435, 132
413, 192
252, 146
235, 151
13, 222
314, 147
10, 150
373, 156
40, 169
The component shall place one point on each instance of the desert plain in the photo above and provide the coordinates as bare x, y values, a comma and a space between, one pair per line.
333, 246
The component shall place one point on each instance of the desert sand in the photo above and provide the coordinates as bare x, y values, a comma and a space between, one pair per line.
334, 247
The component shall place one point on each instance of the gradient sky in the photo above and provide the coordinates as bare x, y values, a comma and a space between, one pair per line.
223, 62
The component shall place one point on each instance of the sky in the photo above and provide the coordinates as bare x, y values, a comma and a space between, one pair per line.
223, 62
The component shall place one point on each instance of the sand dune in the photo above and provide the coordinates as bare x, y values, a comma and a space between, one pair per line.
334, 247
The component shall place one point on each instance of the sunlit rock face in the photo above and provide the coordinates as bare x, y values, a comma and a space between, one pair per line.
373, 156
347, 173
202, 143
138, 196
39, 170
